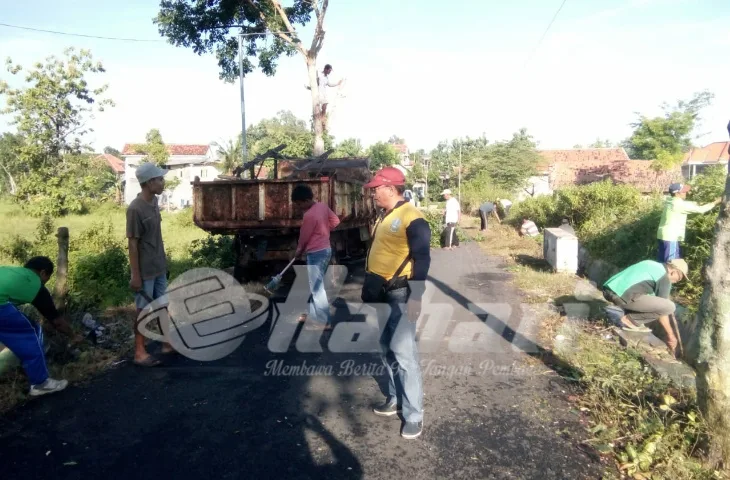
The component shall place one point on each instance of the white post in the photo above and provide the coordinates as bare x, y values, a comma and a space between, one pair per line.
244, 153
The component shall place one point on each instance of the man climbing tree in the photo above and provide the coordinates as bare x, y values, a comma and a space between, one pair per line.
324, 86
205, 26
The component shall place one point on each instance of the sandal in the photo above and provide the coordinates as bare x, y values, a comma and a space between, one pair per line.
148, 362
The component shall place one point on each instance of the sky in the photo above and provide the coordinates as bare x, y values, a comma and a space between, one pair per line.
412, 68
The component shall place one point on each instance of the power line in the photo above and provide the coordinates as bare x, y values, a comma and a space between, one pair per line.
80, 34
126, 39
545, 32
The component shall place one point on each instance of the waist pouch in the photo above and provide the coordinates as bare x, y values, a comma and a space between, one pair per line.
375, 287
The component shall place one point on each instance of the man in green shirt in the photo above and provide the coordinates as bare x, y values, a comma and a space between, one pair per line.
642, 292
674, 219
20, 285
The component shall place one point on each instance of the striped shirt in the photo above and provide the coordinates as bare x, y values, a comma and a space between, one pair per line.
529, 228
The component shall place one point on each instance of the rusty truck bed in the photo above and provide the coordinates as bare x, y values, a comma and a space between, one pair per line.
231, 206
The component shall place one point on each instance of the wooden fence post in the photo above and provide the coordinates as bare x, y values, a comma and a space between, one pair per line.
61, 289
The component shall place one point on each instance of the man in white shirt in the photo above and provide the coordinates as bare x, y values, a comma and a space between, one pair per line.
452, 218
324, 84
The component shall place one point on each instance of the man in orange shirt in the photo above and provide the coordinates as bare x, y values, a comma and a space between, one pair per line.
314, 241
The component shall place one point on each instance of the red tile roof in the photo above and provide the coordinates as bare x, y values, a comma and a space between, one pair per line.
628, 172
552, 157
400, 148
173, 149
116, 164
712, 153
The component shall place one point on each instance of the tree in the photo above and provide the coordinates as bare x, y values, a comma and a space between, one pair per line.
154, 149
396, 140
52, 112
284, 128
382, 155
666, 139
230, 154
204, 26
10, 165
350, 147
112, 151
601, 144
711, 342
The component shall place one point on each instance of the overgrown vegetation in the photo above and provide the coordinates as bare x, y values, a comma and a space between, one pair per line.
617, 224
652, 429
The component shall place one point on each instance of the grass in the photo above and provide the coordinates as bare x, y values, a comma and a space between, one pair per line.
649, 428
178, 232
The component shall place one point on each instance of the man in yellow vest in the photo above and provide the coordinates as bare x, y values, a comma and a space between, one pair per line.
674, 219
396, 269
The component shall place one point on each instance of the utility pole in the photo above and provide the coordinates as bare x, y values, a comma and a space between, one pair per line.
244, 153
460, 171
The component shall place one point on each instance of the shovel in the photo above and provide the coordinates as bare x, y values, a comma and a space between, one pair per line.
274, 283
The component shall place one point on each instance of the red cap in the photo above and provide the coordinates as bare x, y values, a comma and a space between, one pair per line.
387, 176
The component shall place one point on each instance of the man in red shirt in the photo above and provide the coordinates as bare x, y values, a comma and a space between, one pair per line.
314, 241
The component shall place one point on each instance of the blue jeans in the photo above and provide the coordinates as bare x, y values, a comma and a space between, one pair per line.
317, 263
399, 351
25, 339
668, 250
154, 288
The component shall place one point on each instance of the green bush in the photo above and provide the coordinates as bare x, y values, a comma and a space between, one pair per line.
213, 252
435, 219
184, 218
617, 224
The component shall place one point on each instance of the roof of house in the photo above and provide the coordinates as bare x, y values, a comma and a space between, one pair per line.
712, 153
116, 164
400, 147
637, 173
172, 149
551, 157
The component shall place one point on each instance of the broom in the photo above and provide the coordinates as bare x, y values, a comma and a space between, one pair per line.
274, 283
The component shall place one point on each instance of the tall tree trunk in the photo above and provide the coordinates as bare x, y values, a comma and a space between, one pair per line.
713, 340
317, 117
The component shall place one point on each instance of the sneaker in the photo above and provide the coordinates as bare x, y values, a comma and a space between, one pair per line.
387, 409
412, 430
49, 386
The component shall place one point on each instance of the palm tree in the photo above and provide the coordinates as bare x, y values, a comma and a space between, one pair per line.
230, 155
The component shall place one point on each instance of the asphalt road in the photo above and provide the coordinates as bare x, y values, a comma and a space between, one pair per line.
490, 409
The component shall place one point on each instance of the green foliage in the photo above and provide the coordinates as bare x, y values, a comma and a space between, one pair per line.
615, 223
709, 185
78, 182
113, 151
46, 159
188, 23
284, 128
435, 219
213, 251
154, 149
231, 155
666, 139
478, 189
349, 147
381, 155
50, 113
184, 218
651, 428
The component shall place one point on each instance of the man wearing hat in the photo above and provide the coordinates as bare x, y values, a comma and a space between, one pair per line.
452, 217
396, 268
642, 292
674, 218
147, 259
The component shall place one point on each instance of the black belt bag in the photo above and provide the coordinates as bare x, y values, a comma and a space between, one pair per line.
375, 287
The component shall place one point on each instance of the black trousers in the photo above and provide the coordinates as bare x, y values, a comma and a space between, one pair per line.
483, 218
449, 237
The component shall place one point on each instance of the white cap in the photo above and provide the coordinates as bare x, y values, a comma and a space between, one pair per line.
446, 192
147, 171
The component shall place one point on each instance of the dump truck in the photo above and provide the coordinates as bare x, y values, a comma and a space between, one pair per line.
264, 221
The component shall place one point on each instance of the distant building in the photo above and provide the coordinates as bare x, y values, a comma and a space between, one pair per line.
562, 168
698, 159
186, 162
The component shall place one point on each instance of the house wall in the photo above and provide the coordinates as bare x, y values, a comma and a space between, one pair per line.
182, 195
537, 185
